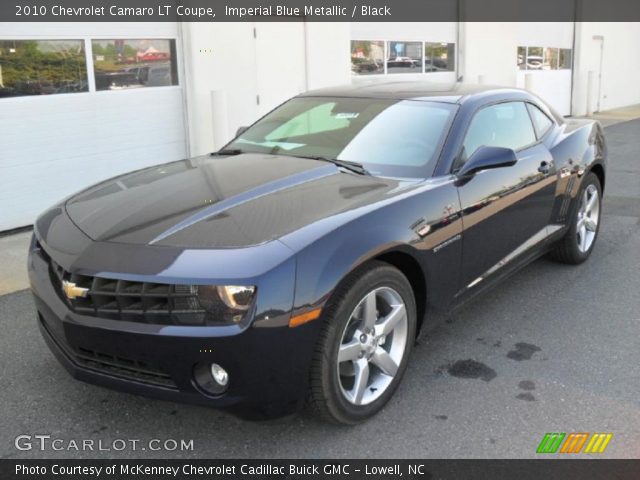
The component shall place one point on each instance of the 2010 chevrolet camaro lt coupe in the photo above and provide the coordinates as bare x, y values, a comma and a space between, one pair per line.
297, 264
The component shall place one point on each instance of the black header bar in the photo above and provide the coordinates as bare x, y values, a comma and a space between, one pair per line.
319, 10
583, 469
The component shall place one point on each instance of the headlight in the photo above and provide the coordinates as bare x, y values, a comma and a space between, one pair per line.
228, 303
236, 297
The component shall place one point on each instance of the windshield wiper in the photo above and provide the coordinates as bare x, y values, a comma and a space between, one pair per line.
228, 151
351, 166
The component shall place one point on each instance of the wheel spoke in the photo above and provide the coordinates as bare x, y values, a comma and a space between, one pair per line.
361, 380
592, 202
583, 238
369, 310
349, 351
383, 360
398, 313
590, 224
585, 201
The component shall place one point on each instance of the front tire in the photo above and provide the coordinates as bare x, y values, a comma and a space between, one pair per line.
577, 244
366, 340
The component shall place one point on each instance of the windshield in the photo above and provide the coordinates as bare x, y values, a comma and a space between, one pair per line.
399, 138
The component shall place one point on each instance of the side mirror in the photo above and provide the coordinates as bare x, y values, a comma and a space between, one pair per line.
485, 158
241, 130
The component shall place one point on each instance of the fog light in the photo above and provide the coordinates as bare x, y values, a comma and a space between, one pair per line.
219, 374
211, 378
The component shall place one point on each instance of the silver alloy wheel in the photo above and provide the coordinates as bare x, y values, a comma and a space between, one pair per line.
373, 346
588, 218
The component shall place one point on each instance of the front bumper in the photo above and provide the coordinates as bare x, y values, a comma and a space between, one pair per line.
267, 362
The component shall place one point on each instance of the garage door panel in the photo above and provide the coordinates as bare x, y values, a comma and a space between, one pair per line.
53, 146
46, 186
113, 122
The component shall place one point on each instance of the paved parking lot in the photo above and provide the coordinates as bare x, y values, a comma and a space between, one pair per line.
556, 348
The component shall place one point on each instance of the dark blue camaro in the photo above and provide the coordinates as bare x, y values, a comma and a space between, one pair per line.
300, 262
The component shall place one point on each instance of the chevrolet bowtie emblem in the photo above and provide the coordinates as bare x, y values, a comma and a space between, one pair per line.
71, 290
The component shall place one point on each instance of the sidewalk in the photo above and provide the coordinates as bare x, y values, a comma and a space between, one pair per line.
13, 262
13, 248
619, 115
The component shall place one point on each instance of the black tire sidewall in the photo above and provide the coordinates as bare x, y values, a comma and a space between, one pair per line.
381, 276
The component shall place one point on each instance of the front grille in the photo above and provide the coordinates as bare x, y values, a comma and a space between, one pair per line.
117, 366
123, 367
141, 302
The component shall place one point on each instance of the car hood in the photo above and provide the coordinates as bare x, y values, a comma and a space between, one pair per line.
220, 202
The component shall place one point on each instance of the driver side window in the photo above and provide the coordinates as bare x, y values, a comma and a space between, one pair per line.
505, 125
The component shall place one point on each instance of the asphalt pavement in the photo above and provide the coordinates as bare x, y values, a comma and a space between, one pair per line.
554, 349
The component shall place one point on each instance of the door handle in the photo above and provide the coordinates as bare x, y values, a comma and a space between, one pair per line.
545, 167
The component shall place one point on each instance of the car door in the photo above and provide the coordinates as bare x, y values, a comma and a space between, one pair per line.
505, 210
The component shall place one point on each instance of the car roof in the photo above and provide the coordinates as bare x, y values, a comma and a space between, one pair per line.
416, 90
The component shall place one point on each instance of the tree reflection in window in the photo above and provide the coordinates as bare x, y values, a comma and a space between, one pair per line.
42, 67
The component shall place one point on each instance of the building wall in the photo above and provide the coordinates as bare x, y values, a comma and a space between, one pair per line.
489, 55
620, 65
487, 52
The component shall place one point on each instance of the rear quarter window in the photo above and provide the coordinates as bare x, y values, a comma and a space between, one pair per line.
541, 122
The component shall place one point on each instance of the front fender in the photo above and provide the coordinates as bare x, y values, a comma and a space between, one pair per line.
322, 266
325, 261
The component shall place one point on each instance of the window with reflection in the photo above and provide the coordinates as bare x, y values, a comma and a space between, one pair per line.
42, 67
404, 57
544, 58
534, 59
565, 59
367, 57
522, 56
136, 63
439, 57
541, 122
550, 59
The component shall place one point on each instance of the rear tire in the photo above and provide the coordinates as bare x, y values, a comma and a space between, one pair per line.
362, 353
577, 244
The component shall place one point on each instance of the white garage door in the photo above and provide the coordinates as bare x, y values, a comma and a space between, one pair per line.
82, 102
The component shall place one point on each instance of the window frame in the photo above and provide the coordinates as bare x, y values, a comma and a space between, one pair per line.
456, 165
89, 52
541, 136
384, 60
